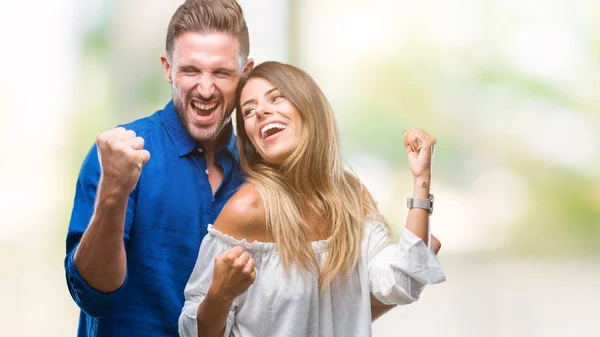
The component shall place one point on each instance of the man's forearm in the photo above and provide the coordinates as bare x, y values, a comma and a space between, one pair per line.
100, 257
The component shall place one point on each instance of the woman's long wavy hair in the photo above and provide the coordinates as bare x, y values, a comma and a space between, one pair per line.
313, 178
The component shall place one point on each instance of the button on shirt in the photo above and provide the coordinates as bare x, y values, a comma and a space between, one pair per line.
167, 218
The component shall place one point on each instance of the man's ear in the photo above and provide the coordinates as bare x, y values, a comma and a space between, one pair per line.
166, 67
249, 67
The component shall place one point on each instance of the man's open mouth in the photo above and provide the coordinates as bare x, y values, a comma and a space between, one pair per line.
204, 109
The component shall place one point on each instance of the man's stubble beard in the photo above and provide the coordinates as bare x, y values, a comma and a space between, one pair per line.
201, 137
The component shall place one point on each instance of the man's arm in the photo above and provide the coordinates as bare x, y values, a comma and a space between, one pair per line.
100, 257
378, 309
97, 265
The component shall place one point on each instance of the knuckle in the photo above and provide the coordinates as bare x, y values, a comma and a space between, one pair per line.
118, 147
222, 257
100, 141
103, 139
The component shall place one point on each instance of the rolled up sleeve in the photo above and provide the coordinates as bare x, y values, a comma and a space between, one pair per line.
94, 303
399, 272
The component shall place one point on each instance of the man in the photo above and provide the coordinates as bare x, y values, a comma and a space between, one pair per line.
134, 234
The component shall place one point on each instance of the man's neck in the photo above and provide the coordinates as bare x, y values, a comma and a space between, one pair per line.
210, 148
213, 170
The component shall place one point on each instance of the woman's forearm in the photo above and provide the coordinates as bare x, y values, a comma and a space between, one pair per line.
418, 218
212, 316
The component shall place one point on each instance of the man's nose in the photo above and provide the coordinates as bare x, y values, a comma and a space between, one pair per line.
206, 88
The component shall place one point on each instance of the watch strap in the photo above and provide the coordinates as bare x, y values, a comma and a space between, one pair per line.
421, 203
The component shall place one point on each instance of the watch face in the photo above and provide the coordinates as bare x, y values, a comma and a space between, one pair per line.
430, 204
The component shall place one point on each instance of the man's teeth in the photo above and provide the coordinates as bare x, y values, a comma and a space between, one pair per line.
269, 127
205, 107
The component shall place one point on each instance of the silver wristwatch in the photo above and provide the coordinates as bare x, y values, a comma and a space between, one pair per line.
421, 203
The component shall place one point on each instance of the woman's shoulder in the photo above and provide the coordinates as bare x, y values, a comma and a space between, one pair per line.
243, 216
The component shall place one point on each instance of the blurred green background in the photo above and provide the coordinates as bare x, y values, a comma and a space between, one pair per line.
511, 89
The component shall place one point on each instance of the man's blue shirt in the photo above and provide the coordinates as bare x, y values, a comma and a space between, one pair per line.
167, 216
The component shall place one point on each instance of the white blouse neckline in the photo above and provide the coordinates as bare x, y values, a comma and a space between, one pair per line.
262, 247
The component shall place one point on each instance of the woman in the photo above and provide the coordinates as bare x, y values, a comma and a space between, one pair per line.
301, 247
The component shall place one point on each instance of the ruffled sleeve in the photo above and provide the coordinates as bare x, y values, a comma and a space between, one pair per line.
198, 284
399, 272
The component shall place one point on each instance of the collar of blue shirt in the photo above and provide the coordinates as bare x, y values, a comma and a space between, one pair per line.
182, 140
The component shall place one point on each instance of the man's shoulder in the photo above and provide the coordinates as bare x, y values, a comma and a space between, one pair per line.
144, 125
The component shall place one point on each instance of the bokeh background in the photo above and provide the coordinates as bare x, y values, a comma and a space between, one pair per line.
510, 88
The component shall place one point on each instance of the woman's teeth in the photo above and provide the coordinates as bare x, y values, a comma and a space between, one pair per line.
277, 126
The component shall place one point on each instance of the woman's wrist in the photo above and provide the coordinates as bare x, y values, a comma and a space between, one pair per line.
218, 301
421, 186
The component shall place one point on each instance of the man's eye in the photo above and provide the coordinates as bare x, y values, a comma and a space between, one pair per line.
221, 74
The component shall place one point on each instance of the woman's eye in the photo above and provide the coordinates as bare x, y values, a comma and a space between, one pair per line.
277, 98
248, 112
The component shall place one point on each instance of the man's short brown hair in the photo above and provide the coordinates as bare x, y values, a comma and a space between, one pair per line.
210, 16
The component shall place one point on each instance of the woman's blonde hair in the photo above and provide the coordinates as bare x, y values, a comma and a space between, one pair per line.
313, 178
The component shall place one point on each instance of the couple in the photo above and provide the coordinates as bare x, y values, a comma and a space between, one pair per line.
292, 222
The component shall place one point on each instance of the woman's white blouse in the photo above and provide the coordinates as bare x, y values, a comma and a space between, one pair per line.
278, 306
